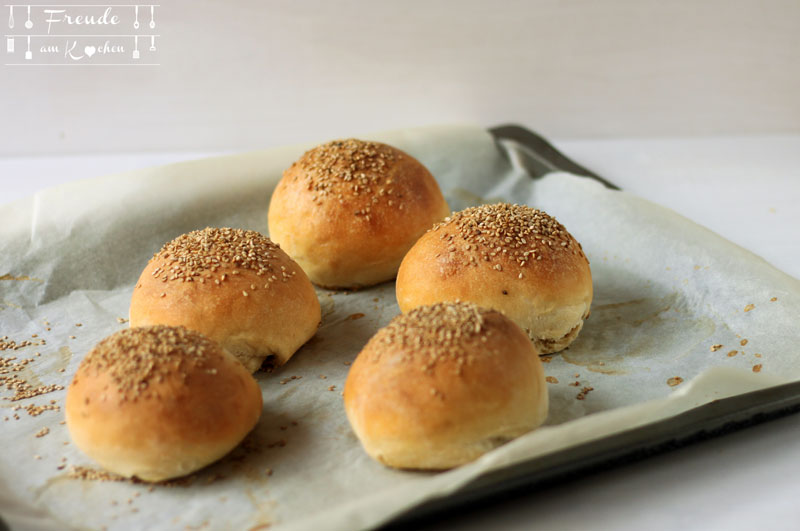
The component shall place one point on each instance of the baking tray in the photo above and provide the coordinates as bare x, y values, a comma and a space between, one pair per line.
538, 157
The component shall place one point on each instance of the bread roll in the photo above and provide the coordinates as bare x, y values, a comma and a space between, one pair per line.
443, 384
236, 287
160, 402
512, 258
349, 210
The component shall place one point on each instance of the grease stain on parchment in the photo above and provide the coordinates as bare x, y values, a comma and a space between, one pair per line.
9, 276
620, 337
263, 515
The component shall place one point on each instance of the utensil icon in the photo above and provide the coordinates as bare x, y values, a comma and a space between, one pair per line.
11, 17
152, 43
136, 47
136, 22
29, 24
28, 54
10, 45
152, 19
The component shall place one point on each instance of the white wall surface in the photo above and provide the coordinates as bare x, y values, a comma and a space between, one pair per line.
247, 74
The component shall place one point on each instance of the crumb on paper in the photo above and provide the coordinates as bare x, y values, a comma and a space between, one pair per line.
331, 388
773, 299
757, 354
41, 433
749, 307
576, 383
121, 320
757, 368
675, 380
546, 359
585, 391
743, 342
716, 347
732, 353
354, 316
323, 377
551, 379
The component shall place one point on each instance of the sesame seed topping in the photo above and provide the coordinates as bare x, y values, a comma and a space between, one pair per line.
436, 332
351, 166
137, 357
518, 232
198, 253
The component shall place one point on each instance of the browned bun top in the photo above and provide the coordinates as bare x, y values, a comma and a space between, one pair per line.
137, 358
351, 167
188, 256
503, 232
442, 384
159, 402
235, 286
441, 332
513, 258
348, 210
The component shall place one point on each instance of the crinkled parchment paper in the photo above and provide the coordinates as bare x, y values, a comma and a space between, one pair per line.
666, 290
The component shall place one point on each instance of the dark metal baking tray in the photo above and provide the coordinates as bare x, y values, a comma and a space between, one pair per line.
719, 417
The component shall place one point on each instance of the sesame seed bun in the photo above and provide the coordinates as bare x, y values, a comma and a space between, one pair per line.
236, 287
443, 384
512, 258
349, 210
160, 402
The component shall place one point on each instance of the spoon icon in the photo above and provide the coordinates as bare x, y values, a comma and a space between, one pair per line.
29, 24
11, 17
136, 22
152, 20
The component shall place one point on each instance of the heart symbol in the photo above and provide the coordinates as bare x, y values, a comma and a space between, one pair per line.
90, 50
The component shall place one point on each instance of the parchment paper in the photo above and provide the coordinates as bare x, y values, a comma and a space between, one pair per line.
666, 290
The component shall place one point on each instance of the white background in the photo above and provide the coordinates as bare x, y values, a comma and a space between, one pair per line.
692, 104
248, 73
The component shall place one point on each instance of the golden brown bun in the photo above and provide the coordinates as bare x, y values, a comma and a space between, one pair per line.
349, 210
512, 258
160, 402
236, 287
443, 384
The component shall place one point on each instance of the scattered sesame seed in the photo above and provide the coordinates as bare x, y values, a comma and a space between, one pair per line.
675, 380
732, 353
551, 379
716, 347
757, 368
773, 299
743, 342
41, 433
749, 307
